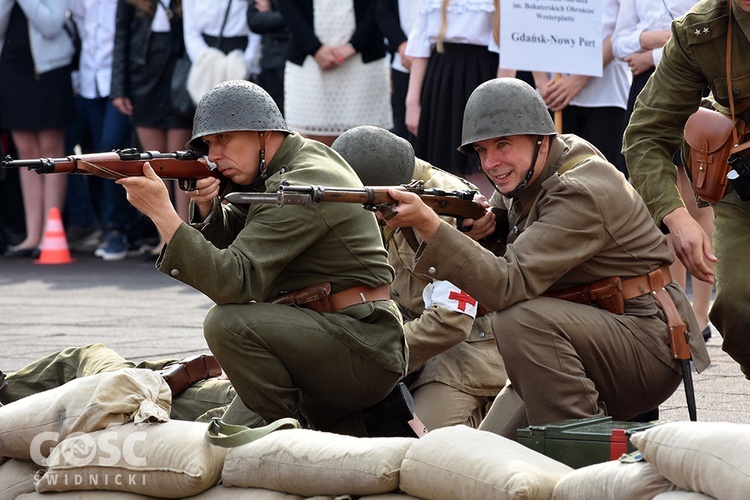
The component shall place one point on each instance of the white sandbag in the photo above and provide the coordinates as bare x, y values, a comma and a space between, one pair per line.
613, 480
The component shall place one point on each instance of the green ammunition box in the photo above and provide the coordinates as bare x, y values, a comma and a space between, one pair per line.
581, 442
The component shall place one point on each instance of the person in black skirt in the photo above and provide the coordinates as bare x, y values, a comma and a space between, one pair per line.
148, 43
449, 43
36, 104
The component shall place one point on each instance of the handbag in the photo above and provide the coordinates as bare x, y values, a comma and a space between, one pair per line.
181, 100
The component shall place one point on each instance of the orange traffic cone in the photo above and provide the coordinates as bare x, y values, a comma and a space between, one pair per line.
54, 244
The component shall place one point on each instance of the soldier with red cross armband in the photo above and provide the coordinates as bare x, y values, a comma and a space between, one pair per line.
455, 369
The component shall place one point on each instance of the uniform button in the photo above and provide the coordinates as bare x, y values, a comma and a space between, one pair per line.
394, 293
432, 271
482, 335
174, 272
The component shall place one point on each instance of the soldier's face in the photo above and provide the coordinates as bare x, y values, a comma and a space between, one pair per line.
507, 159
235, 154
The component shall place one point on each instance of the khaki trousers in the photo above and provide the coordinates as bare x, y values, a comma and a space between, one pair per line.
568, 360
439, 405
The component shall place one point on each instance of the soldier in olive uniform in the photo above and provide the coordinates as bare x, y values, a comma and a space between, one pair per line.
454, 364
577, 226
321, 362
695, 57
200, 401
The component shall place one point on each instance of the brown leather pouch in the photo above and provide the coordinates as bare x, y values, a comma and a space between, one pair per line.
708, 135
607, 294
186, 372
312, 297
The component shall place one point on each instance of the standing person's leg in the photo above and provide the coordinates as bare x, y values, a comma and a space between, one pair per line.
730, 313
52, 145
702, 291
40, 192
119, 217
575, 361
176, 140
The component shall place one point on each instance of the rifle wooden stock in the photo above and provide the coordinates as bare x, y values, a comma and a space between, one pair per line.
458, 204
181, 165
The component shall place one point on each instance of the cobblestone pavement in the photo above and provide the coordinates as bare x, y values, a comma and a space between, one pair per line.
143, 314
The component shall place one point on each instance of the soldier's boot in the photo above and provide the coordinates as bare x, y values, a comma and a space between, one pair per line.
394, 416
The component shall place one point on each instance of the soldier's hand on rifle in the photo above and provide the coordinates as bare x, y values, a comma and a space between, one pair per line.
476, 229
205, 191
150, 195
412, 212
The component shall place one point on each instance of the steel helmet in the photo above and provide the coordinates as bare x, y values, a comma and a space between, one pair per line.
231, 106
379, 157
503, 107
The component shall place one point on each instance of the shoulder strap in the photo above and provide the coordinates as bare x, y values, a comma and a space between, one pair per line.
730, 94
225, 435
573, 161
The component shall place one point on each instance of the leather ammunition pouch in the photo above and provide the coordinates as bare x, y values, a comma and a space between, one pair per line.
709, 140
318, 297
605, 294
186, 372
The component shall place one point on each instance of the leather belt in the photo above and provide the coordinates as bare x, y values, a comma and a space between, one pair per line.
610, 293
648, 283
320, 299
357, 295
654, 283
186, 372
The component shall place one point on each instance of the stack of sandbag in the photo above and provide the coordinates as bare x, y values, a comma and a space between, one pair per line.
675, 461
31, 428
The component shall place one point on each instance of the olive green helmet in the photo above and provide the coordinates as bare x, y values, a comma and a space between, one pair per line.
503, 107
379, 157
231, 106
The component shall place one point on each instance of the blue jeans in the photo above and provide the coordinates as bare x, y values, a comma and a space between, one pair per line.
101, 127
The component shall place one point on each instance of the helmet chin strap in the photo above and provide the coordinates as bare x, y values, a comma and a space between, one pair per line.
530, 172
262, 174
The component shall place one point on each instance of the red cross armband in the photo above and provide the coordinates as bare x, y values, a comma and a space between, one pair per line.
446, 294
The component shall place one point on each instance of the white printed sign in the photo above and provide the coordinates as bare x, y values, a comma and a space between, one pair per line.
554, 36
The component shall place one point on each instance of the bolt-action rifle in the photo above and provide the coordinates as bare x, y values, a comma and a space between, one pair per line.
181, 165
459, 204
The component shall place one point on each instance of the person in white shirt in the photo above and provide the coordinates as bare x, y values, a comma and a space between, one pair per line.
594, 107
100, 125
219, 43
448, 44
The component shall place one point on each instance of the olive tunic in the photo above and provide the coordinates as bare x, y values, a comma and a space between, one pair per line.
286, 361
569, 360
693, 58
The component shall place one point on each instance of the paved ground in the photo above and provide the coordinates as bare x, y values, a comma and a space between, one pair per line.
143, 314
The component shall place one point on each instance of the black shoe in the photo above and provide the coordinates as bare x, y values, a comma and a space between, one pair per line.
3, 383
706, 333
18, 253
394, 416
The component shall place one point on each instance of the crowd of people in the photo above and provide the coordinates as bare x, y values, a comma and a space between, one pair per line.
590, 234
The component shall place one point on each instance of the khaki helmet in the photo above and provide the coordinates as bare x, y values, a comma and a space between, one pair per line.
231, 106
503, 107
379, 157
